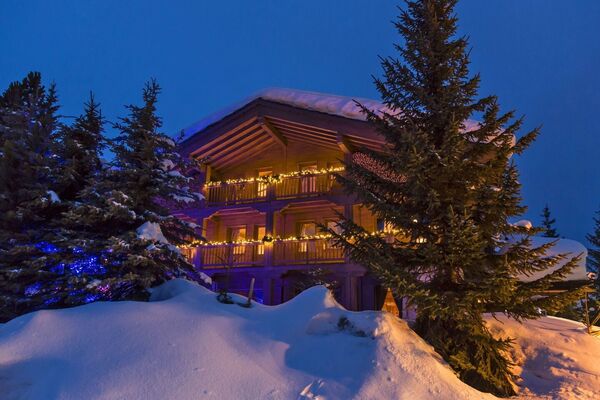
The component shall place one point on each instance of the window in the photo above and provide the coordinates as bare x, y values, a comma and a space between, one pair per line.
262, 187
308, 183
238, 234
261, 232
307, 229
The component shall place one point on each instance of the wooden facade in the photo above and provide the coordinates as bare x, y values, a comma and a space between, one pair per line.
268, 184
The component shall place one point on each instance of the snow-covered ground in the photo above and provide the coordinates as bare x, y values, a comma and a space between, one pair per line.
186, 345
555, 358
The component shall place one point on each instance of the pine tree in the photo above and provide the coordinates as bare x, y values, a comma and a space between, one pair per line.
547, 223
146, 179
594, 251
28, 168
449, 186
80, 151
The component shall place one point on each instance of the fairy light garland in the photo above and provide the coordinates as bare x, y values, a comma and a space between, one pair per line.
269, 239
270, 179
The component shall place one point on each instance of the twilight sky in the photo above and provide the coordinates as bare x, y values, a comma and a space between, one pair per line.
541, 57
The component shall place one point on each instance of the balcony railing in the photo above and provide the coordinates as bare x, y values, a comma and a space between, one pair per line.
284, 252
287, 187
232, 255
310, 251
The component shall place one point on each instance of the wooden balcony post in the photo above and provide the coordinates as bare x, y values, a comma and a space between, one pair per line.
197, 259
269, 222
348, 214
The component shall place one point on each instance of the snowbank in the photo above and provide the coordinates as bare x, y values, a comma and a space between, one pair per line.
185, 345
555, 357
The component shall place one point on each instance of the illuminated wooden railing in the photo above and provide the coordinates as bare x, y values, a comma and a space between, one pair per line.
279, 252
285, 186
236, 193
309, 251
231, 255
305, 186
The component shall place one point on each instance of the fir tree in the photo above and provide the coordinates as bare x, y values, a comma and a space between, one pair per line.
594, 251
145, 181
80, 151
449, 186
28, 168
547, 223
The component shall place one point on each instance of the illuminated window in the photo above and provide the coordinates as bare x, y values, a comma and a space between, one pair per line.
307, 229
238, 234
261, 232
262, 187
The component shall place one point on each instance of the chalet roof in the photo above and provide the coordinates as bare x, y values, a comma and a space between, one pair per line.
275, 116
326, 103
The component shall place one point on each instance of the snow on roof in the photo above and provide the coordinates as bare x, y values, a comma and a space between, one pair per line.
562, 246
327, 103
342, 106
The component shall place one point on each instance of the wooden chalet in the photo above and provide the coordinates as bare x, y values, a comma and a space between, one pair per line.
268, 183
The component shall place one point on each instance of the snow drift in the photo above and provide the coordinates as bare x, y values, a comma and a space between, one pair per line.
186, 345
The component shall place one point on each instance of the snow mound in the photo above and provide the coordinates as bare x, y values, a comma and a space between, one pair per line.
185, 345
555, 357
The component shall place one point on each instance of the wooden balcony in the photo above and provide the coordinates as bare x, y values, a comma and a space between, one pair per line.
289, 187
279, 252
232, 255
310, 251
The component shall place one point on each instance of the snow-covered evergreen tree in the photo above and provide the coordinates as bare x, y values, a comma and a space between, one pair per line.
594, 239
449, 186
81, 146
74, 230
548, 223
124, 218
28, 168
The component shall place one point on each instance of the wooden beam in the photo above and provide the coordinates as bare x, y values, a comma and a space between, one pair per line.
344, 144
300, 125
246, 151
283, 126
305, 132
273, 131
232, 135
257, 135
301, 138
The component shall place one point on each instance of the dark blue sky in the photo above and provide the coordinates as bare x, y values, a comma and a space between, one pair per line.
541, 57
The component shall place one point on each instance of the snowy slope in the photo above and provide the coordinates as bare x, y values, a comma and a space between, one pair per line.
185, 345
188, 346
555, 358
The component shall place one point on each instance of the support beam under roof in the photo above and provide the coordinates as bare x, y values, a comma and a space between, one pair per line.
272, 131
344, 144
